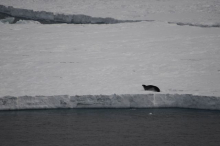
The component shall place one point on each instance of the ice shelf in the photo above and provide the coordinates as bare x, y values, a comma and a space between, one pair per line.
111, 101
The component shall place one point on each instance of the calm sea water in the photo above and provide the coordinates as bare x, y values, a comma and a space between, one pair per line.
110, 127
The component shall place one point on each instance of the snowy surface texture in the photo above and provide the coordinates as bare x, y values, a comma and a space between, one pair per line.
111, 101
61, 59
106, 59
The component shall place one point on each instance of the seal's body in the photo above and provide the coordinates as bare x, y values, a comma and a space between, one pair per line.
151, 88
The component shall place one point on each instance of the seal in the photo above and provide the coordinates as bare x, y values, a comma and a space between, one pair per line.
151, 88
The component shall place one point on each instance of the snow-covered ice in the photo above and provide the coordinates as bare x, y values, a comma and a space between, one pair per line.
91, 59
106, 59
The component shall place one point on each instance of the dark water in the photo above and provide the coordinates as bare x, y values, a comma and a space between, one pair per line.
110, 127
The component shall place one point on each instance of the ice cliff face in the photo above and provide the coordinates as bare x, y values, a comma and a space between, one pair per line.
111, 101
49, 17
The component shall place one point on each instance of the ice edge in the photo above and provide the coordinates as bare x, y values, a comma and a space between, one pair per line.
51, 18
111, 101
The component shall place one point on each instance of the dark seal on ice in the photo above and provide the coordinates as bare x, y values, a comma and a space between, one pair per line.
151, 88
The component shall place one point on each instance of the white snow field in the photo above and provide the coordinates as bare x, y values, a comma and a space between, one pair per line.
108, 59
